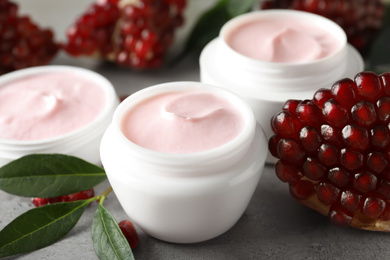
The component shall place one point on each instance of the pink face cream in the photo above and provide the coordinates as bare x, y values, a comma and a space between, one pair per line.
182, 122
282, 41
48, 105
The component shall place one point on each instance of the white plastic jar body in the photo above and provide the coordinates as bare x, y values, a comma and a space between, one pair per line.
84, 142
267, 85
184, 198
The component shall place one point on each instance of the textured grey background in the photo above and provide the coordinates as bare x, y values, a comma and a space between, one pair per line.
274, 226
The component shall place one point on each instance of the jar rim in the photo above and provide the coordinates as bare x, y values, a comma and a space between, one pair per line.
185, 158
110, 96
330, 25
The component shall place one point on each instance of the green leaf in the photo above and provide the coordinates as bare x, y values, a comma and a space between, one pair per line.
210, 23
208, 26
238, 7
379, 55
108, 241
40, 227
49, 175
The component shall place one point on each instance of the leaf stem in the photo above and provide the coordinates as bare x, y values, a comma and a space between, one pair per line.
102, 196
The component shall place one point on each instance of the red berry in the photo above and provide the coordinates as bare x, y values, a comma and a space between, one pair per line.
134, 34
22, 43
82, 195
129, 232
39, 202
361, 20
339, 162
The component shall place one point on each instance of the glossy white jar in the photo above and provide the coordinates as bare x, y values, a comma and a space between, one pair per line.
267, 85
184, 198
84, 142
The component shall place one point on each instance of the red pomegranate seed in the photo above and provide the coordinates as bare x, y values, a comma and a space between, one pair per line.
338, 177
129, 232
355, 137
380, 137
291, 151
343, 92
321, 96
313, 169
368, 86
334, 114
385, 82
350, 159
383, 108
291, 106
339, 217
287, 173
308, 113
39, 202
373, 207
363, 113
331, 135
350, 200
302, 189
310, 138
327, 193
328, 154
364, 182
376, 162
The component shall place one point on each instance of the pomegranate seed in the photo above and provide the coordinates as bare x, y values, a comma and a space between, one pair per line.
313, 169
364, 182
338, 177
383, 108
380, 137
368, 86
321, 96
355, 137
350, 159
350, 200
291, 106
376, 162
302, 189
310, 138
291, 151
328, 154
308, 113
286, 124
373, 207
340, 217
334, 114
82, 195
129, 232
287, 173
343, 92
39, 202
364, 113
327, 193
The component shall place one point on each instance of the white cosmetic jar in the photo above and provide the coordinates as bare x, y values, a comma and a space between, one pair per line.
83, 142
267, 85
184, 198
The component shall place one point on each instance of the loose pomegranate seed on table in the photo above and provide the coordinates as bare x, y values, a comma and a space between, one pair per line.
134, 34
333, 150
22, 43
129, 232
82, 195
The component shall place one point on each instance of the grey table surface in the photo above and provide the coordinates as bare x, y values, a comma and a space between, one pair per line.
274, 226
